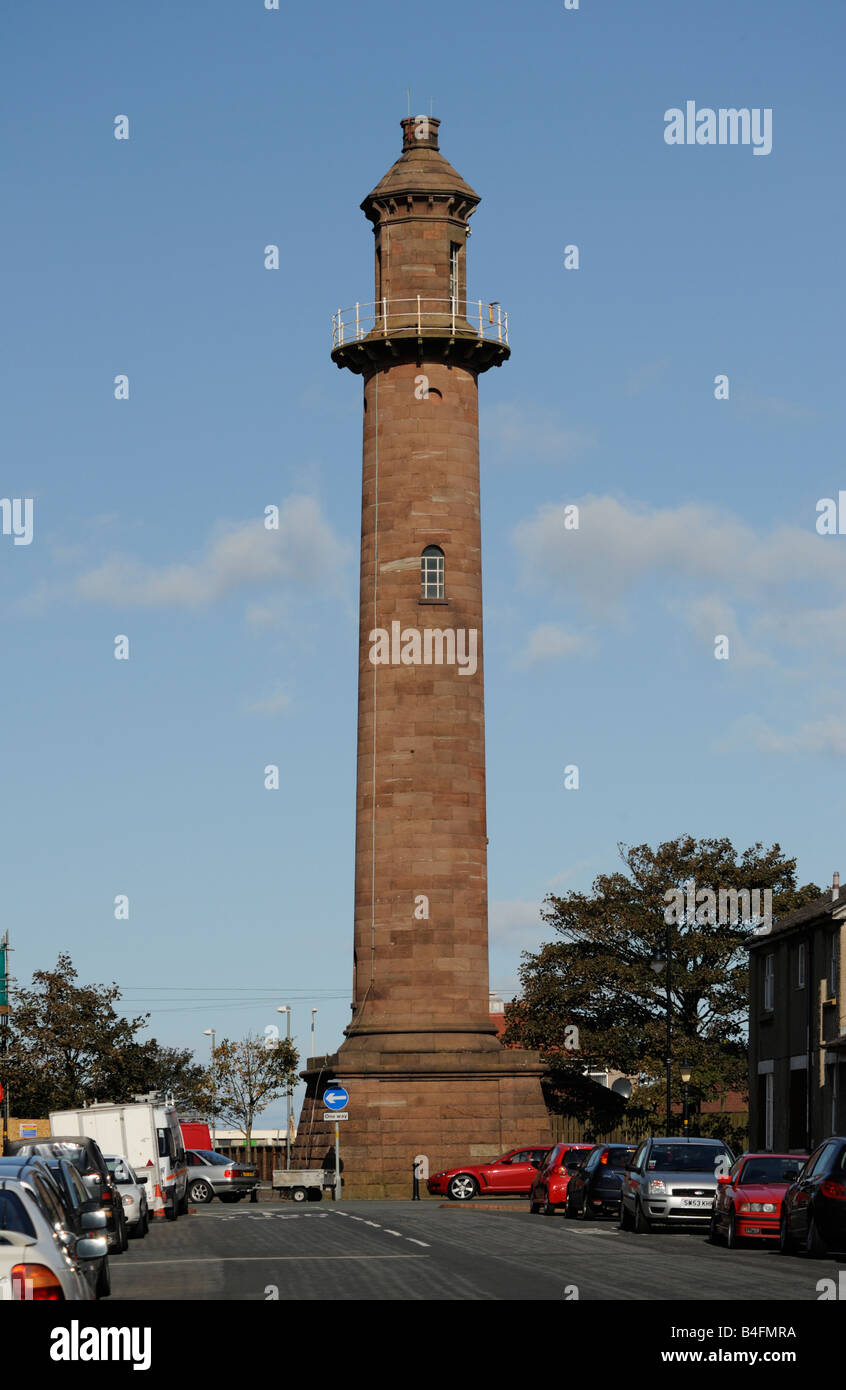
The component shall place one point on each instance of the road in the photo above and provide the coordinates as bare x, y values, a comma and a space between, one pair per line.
405, 1251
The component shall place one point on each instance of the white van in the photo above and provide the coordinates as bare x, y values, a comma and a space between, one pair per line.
148, 1134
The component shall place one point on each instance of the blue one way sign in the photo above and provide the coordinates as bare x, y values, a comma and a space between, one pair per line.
336, 1099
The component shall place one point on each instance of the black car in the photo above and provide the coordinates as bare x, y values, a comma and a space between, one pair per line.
85, 1155
594, 1187
59, 1191
813, 1209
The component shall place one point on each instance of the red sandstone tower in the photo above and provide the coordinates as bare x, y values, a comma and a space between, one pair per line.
425, 1071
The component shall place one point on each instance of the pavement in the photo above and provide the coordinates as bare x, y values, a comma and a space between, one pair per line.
417, 1251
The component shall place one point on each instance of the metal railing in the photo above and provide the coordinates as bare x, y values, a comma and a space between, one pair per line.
485, 318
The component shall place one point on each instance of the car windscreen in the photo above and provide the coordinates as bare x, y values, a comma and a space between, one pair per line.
573, 1156
687, 1158
74, 1153
770, 1169
211, 1157
618, 1158
13, 1216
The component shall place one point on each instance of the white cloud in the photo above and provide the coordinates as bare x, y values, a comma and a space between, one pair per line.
620, 544
532, 432
548, 642
304, 550
275, 702
516, 924
826, 735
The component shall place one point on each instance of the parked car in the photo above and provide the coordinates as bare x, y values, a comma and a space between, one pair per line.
513, 1174
147, 1132
549, 1189
86, 1215
670, 1180
41, 1258
813, 1209
595, 1185
211, 1175
85, 1155
132, 1194
748, 1200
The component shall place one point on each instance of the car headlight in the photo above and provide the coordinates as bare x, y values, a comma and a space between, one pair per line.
757, 1206
126, 1199
657, 1185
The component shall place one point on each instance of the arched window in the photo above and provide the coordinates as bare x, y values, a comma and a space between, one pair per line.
432, 572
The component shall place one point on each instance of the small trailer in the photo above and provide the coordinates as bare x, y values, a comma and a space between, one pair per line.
302, 1184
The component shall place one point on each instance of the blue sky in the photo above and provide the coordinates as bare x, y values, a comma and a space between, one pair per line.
145, 257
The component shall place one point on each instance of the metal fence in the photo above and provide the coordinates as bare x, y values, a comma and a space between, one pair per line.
485, 318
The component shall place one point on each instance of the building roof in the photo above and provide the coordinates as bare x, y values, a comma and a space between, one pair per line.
421, 168
816, 910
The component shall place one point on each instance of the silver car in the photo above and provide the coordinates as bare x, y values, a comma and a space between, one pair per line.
211, 1175
669, 1181
132, 1194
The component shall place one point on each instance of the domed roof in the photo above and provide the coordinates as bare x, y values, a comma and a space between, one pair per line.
421, 168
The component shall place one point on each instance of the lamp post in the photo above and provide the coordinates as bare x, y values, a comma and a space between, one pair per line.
661, 962
209, 1033
286, 1009
685, 1076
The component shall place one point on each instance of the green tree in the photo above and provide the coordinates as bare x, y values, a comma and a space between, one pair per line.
247, 1076
597, 977
66, 1040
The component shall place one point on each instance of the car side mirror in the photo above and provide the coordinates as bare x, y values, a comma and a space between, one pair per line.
94, 1220
724, 1180
91, 1248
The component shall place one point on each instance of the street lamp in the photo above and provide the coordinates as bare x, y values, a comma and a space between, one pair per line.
286, 1009
209, 1033
658, 963
685, 1076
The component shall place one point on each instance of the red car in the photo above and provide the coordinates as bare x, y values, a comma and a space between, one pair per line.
748, 1200
510, 1175
549, 1189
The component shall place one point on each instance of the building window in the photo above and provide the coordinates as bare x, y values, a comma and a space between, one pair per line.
797, 1108
454, 249
432, 572
801, 954
769, 981
833, 971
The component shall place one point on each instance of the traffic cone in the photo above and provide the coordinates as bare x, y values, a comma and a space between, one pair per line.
158, 1202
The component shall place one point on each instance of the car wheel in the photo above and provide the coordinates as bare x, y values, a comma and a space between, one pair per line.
103, 1287
786, 1243
713, 1233
171, 1208
315, 1194
299, 1194
624, 1218
570, 1208
642, 1224
462, 1188
144, 1224
815, 1246
534, 1207
183, 1202
548, 1208
732, 1238
200, 1191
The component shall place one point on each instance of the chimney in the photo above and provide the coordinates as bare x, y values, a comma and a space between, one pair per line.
420, 133
835, 887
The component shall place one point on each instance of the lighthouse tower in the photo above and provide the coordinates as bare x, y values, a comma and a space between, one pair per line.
421, 1060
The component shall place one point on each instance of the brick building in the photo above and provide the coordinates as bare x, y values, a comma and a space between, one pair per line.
421, 1059
797, 1027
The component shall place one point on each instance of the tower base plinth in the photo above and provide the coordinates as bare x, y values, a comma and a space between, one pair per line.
457, 1098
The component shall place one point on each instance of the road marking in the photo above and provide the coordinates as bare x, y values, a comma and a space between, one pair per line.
373, 1223
393, 1233
424, 1243
262, 1259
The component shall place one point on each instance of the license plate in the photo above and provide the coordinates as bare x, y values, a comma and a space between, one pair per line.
248, 1173
696, 1201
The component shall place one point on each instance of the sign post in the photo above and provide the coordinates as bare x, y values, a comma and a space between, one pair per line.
336, 1098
